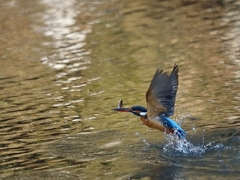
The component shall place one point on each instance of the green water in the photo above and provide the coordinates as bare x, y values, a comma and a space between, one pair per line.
65, 65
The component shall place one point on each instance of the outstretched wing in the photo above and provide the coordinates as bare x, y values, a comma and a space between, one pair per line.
162, 92
174, 81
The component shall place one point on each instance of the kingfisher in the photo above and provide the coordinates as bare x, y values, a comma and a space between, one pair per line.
160, 99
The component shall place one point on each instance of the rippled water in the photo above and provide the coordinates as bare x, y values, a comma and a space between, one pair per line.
65, 65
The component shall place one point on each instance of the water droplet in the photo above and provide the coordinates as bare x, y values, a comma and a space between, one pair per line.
145, 141
194, 129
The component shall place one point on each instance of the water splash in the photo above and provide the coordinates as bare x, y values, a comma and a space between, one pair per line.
182, 147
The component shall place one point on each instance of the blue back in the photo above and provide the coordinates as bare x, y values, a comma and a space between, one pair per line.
171, 124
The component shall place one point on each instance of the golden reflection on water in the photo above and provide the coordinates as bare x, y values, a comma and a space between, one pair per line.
57, 92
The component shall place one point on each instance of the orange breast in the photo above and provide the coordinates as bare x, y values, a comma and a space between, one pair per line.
155, 125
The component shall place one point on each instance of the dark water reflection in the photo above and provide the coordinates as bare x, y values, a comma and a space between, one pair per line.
220, 160
65, 65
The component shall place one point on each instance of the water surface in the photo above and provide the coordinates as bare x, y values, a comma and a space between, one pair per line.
65, 65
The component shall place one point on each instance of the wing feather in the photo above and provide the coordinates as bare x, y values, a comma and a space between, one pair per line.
162, 92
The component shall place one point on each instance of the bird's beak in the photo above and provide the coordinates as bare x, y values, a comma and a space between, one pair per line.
123, 109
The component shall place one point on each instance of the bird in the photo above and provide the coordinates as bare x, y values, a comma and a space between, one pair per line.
160, 98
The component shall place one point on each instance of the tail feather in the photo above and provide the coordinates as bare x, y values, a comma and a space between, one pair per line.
171, 124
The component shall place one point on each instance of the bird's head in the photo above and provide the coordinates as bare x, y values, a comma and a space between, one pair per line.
136, 110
